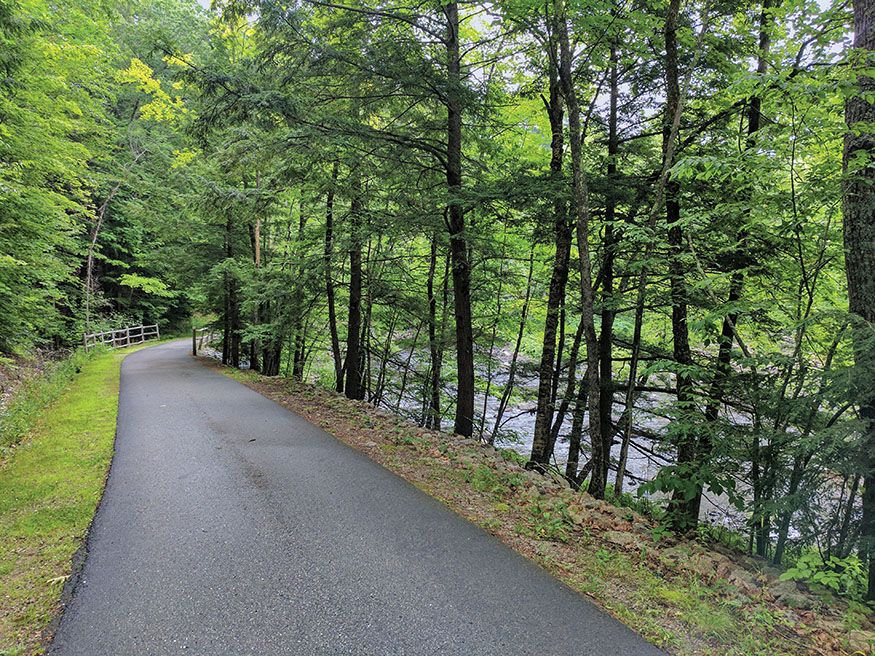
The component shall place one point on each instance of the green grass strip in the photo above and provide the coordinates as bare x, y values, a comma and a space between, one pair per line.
19, 416
50, 486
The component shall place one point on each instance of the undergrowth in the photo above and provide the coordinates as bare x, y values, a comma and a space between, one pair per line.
33, 396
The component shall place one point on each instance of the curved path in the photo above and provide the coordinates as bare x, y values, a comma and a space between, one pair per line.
230, 525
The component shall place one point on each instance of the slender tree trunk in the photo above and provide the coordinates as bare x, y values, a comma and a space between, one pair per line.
255, 318
511, 374
542, 442
300, 352
226, 322
464, 421
736, 281
232, 304
570, 385
600, 455
433, 412
804, 454
858, 192
365, 349
606, 340
255, 237
659, 197
758, 519
560, 353
437, 375
235, 325
406, 374
377, 398
684, 514
353, 380
491, 360
574, 477
300, 329
271, 358
843, 546
89, 263
624, 426
329, 283
799, 463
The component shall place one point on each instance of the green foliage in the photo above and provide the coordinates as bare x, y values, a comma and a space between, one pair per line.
230, 164
48, 133
685, 479
845, 576
485, 479
513, 456
551, 521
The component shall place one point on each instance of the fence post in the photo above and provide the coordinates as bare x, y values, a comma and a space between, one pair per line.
157, 332
194, 341
85, 340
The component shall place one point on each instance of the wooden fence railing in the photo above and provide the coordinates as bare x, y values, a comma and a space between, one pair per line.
201, 336
121, 337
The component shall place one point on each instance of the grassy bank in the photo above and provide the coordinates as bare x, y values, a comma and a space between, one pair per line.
50, 485
41, 386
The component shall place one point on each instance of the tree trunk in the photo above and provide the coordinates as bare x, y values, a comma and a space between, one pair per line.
736, 281
365, 349
232, 307
226, 322
382, 374
496, 320
271, 357
574, 477
662, 181
560, 352
300, 352
433, 412
858, 192
436, 377
407, 368
89, 264
255, 237
329, 284
684, 514
255, 317
542, 442
796, 473
606, 339
600, 454
353, 384
511, 374
464, 421
843, 546
300, 327
570, 384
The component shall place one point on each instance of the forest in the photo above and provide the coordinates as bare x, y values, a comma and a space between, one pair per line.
606, 232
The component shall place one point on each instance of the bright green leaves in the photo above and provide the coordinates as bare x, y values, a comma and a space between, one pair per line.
163, 107
51, 127
149, 285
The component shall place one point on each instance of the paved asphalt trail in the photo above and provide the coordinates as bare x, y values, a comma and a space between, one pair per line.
232, 526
